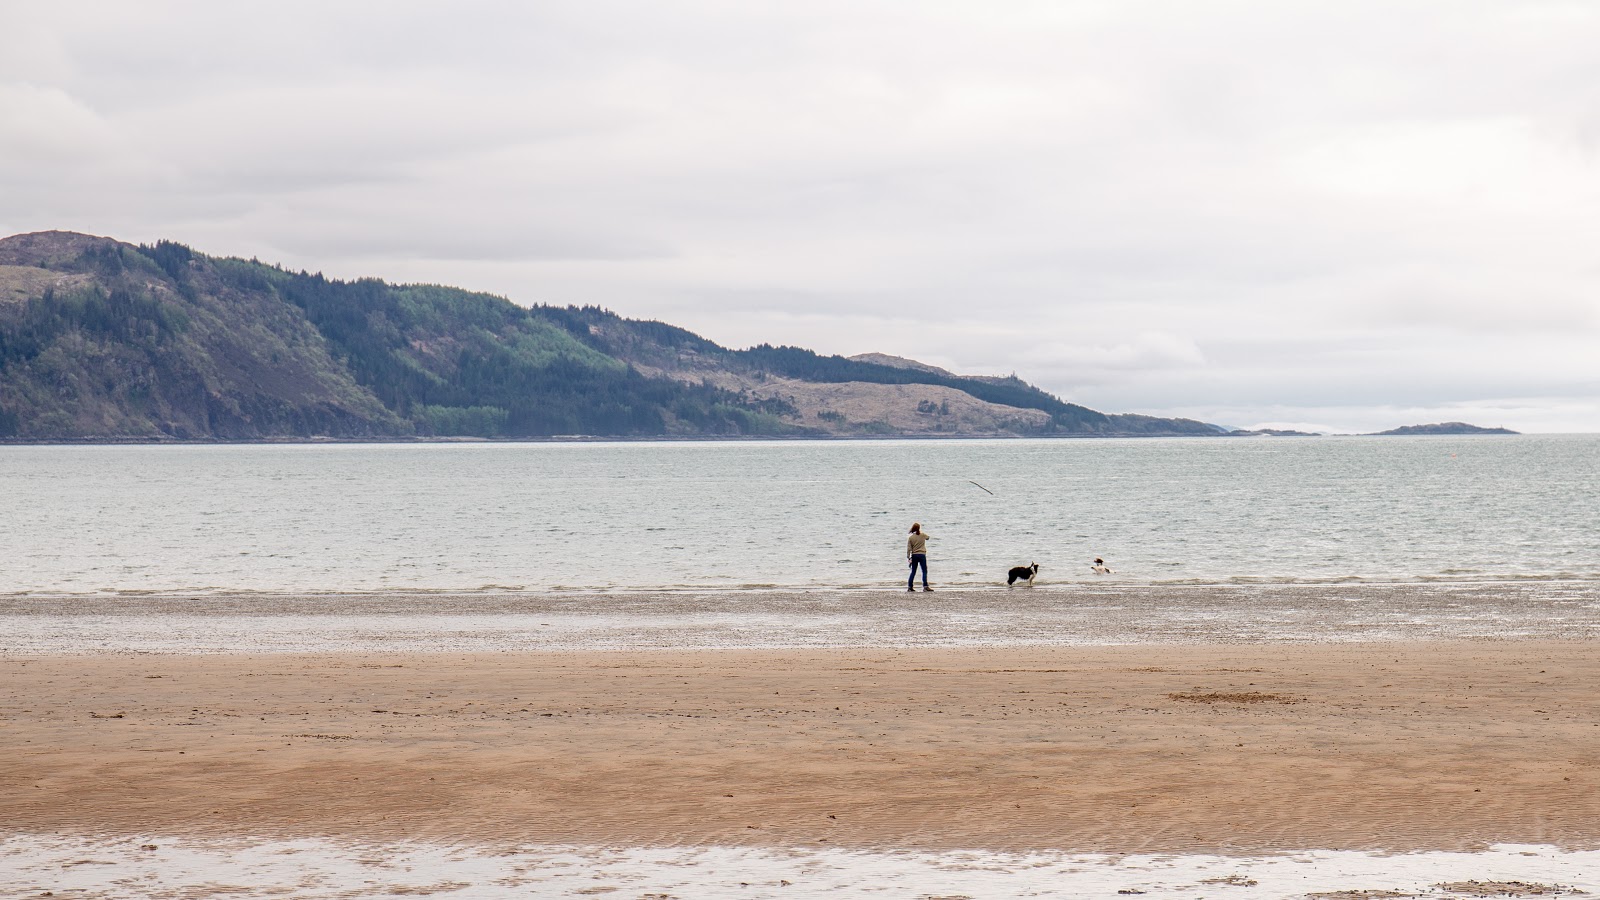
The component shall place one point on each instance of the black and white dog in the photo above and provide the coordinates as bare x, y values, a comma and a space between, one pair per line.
1022, 573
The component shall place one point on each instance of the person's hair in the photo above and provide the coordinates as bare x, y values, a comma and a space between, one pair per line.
1098, 560
916, 527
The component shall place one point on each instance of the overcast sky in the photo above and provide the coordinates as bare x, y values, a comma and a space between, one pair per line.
1340, 216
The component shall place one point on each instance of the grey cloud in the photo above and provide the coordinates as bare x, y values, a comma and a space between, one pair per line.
1143, 206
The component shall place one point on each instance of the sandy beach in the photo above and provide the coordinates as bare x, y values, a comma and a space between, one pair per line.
1175, 748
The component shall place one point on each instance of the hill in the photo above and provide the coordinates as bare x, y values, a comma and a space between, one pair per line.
103, 340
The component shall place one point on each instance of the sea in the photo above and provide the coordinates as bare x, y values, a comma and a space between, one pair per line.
798, 515
639, 545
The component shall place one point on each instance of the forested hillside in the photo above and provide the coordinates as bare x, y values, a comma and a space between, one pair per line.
106, 340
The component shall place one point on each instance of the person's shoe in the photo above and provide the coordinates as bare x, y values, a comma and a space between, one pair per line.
911, 590
927, 590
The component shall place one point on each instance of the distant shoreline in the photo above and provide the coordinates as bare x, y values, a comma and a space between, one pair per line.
717, 438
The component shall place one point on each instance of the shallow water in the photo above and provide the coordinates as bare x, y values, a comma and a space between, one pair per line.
1042, 616
459, 518
195, 869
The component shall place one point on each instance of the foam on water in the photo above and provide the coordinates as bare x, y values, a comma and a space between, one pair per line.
164, 867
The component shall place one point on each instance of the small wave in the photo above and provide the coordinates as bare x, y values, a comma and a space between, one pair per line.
713, 584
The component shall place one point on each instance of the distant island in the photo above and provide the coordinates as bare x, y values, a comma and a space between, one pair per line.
102, 340
1272, 432
1446, 428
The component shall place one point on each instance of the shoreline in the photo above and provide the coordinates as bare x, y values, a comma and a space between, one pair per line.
398, 440
770, 619
1153, 748
312, 440
1092, 584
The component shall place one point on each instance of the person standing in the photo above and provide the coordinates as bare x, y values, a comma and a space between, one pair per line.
917, 552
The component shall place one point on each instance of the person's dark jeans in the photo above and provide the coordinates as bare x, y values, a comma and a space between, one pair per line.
918, 559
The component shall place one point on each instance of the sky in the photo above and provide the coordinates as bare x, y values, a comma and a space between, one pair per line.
1340, 217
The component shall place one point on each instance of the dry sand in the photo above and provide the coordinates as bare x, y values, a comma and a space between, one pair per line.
1122, 749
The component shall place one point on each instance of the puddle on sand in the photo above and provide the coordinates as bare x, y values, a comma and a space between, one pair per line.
156, 867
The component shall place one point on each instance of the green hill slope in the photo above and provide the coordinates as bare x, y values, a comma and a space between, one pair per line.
99, 340
105, 340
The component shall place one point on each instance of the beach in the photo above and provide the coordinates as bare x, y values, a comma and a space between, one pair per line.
1133, 749
1177, 742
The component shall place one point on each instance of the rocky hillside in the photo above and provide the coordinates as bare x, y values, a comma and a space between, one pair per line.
105, 340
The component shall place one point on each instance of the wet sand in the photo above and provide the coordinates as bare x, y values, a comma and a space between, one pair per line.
1185, 748
1050, 615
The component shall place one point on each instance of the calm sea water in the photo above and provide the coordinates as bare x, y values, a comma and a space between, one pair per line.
801, 515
